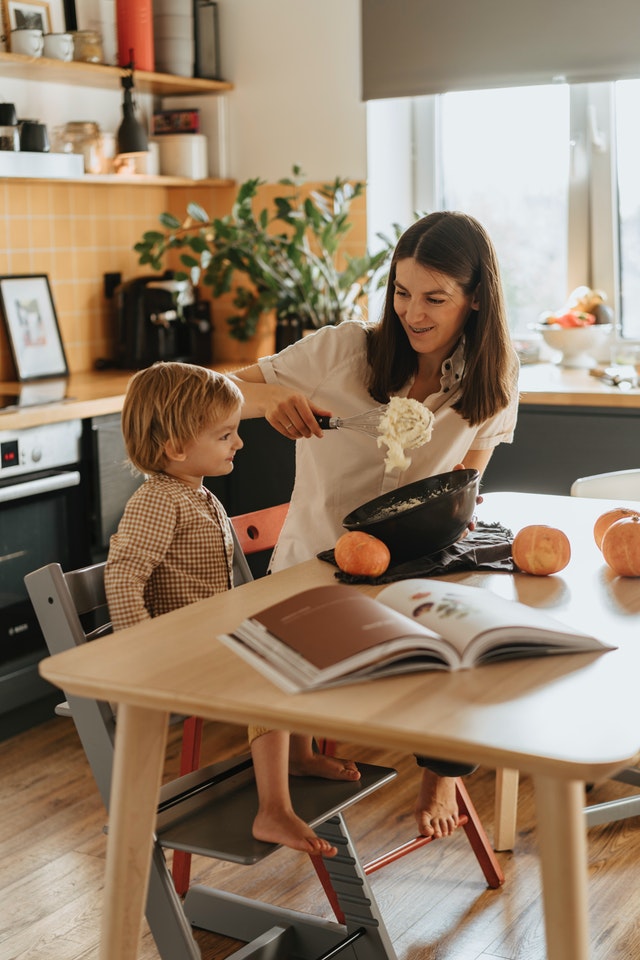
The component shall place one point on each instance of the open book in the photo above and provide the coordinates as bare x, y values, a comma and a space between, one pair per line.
337, 634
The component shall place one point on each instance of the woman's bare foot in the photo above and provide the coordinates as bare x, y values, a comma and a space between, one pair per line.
283, 826
306, 763
436, 809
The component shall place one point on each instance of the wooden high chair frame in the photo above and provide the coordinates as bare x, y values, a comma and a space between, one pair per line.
209, 812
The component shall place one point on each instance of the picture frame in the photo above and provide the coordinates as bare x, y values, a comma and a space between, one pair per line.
45, 15
32, 327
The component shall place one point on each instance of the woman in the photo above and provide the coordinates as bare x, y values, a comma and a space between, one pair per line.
443, 340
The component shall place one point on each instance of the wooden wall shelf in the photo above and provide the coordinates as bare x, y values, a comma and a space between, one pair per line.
18, 67
117, 180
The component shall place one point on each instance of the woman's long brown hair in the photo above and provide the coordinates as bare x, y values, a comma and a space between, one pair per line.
457, 245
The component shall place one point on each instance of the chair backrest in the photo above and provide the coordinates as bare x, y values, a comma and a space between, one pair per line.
260, 529
61, 602
617, 485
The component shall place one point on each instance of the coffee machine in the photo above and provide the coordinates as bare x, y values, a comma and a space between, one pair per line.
160, 318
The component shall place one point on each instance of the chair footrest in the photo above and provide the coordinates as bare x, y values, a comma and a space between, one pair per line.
211, 811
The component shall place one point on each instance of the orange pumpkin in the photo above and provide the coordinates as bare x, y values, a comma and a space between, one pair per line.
361, 554
621, 547
541, 550
605, 520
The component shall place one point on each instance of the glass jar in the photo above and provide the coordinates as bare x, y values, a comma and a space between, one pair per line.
87, 46
9, 138
83, 137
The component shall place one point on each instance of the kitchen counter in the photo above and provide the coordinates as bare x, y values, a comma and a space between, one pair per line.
96, 393
548, 384
91, 394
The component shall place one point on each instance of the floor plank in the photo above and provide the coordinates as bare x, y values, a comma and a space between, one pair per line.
435, 901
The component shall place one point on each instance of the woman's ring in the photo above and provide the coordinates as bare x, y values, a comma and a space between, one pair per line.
289, 426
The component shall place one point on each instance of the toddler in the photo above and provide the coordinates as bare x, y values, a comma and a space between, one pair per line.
174, 546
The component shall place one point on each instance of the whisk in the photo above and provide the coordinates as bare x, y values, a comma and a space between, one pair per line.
368, 422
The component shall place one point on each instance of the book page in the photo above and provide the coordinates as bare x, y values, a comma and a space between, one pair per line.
475, 621
329, 625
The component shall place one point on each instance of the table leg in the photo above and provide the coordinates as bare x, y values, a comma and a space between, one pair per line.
137, 773
506, 809
562, 840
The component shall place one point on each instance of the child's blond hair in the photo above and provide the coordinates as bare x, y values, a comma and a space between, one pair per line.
172, 402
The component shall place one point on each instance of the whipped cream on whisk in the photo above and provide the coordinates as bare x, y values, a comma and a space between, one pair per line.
406, 425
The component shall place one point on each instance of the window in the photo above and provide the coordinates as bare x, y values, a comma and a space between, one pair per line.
551, 171
505, 160
628, 165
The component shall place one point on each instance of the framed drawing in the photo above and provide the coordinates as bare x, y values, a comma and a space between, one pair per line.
32, 327
45, 15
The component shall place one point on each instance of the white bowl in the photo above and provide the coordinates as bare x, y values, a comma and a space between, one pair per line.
577, 344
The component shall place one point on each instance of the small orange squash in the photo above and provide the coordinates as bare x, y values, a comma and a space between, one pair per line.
605, 520
541, 550
361, 554
621, 547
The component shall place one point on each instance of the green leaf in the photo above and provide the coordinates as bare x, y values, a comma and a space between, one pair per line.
169, 221
196, 212
153, 236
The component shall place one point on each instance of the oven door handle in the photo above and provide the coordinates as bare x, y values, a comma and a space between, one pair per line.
30, 488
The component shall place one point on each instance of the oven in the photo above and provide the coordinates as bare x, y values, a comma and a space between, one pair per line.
42, 520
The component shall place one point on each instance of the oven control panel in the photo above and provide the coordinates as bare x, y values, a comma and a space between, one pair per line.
39, 448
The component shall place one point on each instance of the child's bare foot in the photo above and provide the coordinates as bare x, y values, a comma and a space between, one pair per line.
436, 808
283, 826
320, 765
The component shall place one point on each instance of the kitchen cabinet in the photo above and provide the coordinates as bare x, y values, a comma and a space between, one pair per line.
553, 445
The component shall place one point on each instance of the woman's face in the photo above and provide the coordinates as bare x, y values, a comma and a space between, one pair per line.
433, 308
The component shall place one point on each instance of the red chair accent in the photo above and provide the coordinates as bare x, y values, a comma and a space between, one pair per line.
469, 821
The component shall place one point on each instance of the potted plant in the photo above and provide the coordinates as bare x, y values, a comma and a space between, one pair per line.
287, 257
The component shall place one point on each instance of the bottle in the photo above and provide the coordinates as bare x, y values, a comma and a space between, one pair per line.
135, 34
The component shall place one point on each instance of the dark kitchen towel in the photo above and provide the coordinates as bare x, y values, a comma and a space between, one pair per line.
488, 547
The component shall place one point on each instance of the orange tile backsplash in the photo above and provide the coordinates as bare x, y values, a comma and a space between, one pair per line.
77, 232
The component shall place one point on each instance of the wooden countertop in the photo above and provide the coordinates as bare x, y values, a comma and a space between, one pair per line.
90, 394
96, 393
552, 385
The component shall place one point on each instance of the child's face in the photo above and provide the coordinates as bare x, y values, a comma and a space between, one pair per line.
210, 454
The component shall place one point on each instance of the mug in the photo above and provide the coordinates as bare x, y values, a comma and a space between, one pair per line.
58, 46
28, 42
8, 115
33, 136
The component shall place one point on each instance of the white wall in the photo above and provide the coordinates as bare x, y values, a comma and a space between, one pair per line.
296, 69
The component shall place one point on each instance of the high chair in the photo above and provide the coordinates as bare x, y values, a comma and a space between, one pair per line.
210, 812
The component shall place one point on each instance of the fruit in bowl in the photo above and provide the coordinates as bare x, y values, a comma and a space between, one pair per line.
576, 344
581, 328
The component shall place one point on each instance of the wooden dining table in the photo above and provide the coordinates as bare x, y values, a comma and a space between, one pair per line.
562, 719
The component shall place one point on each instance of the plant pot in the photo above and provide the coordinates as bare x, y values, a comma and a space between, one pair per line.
288, 330
261, 344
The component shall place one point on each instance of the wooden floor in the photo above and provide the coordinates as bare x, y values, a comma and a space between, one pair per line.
435, 901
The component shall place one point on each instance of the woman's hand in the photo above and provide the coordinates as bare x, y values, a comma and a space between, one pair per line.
472, 522
288, 412
292, 414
